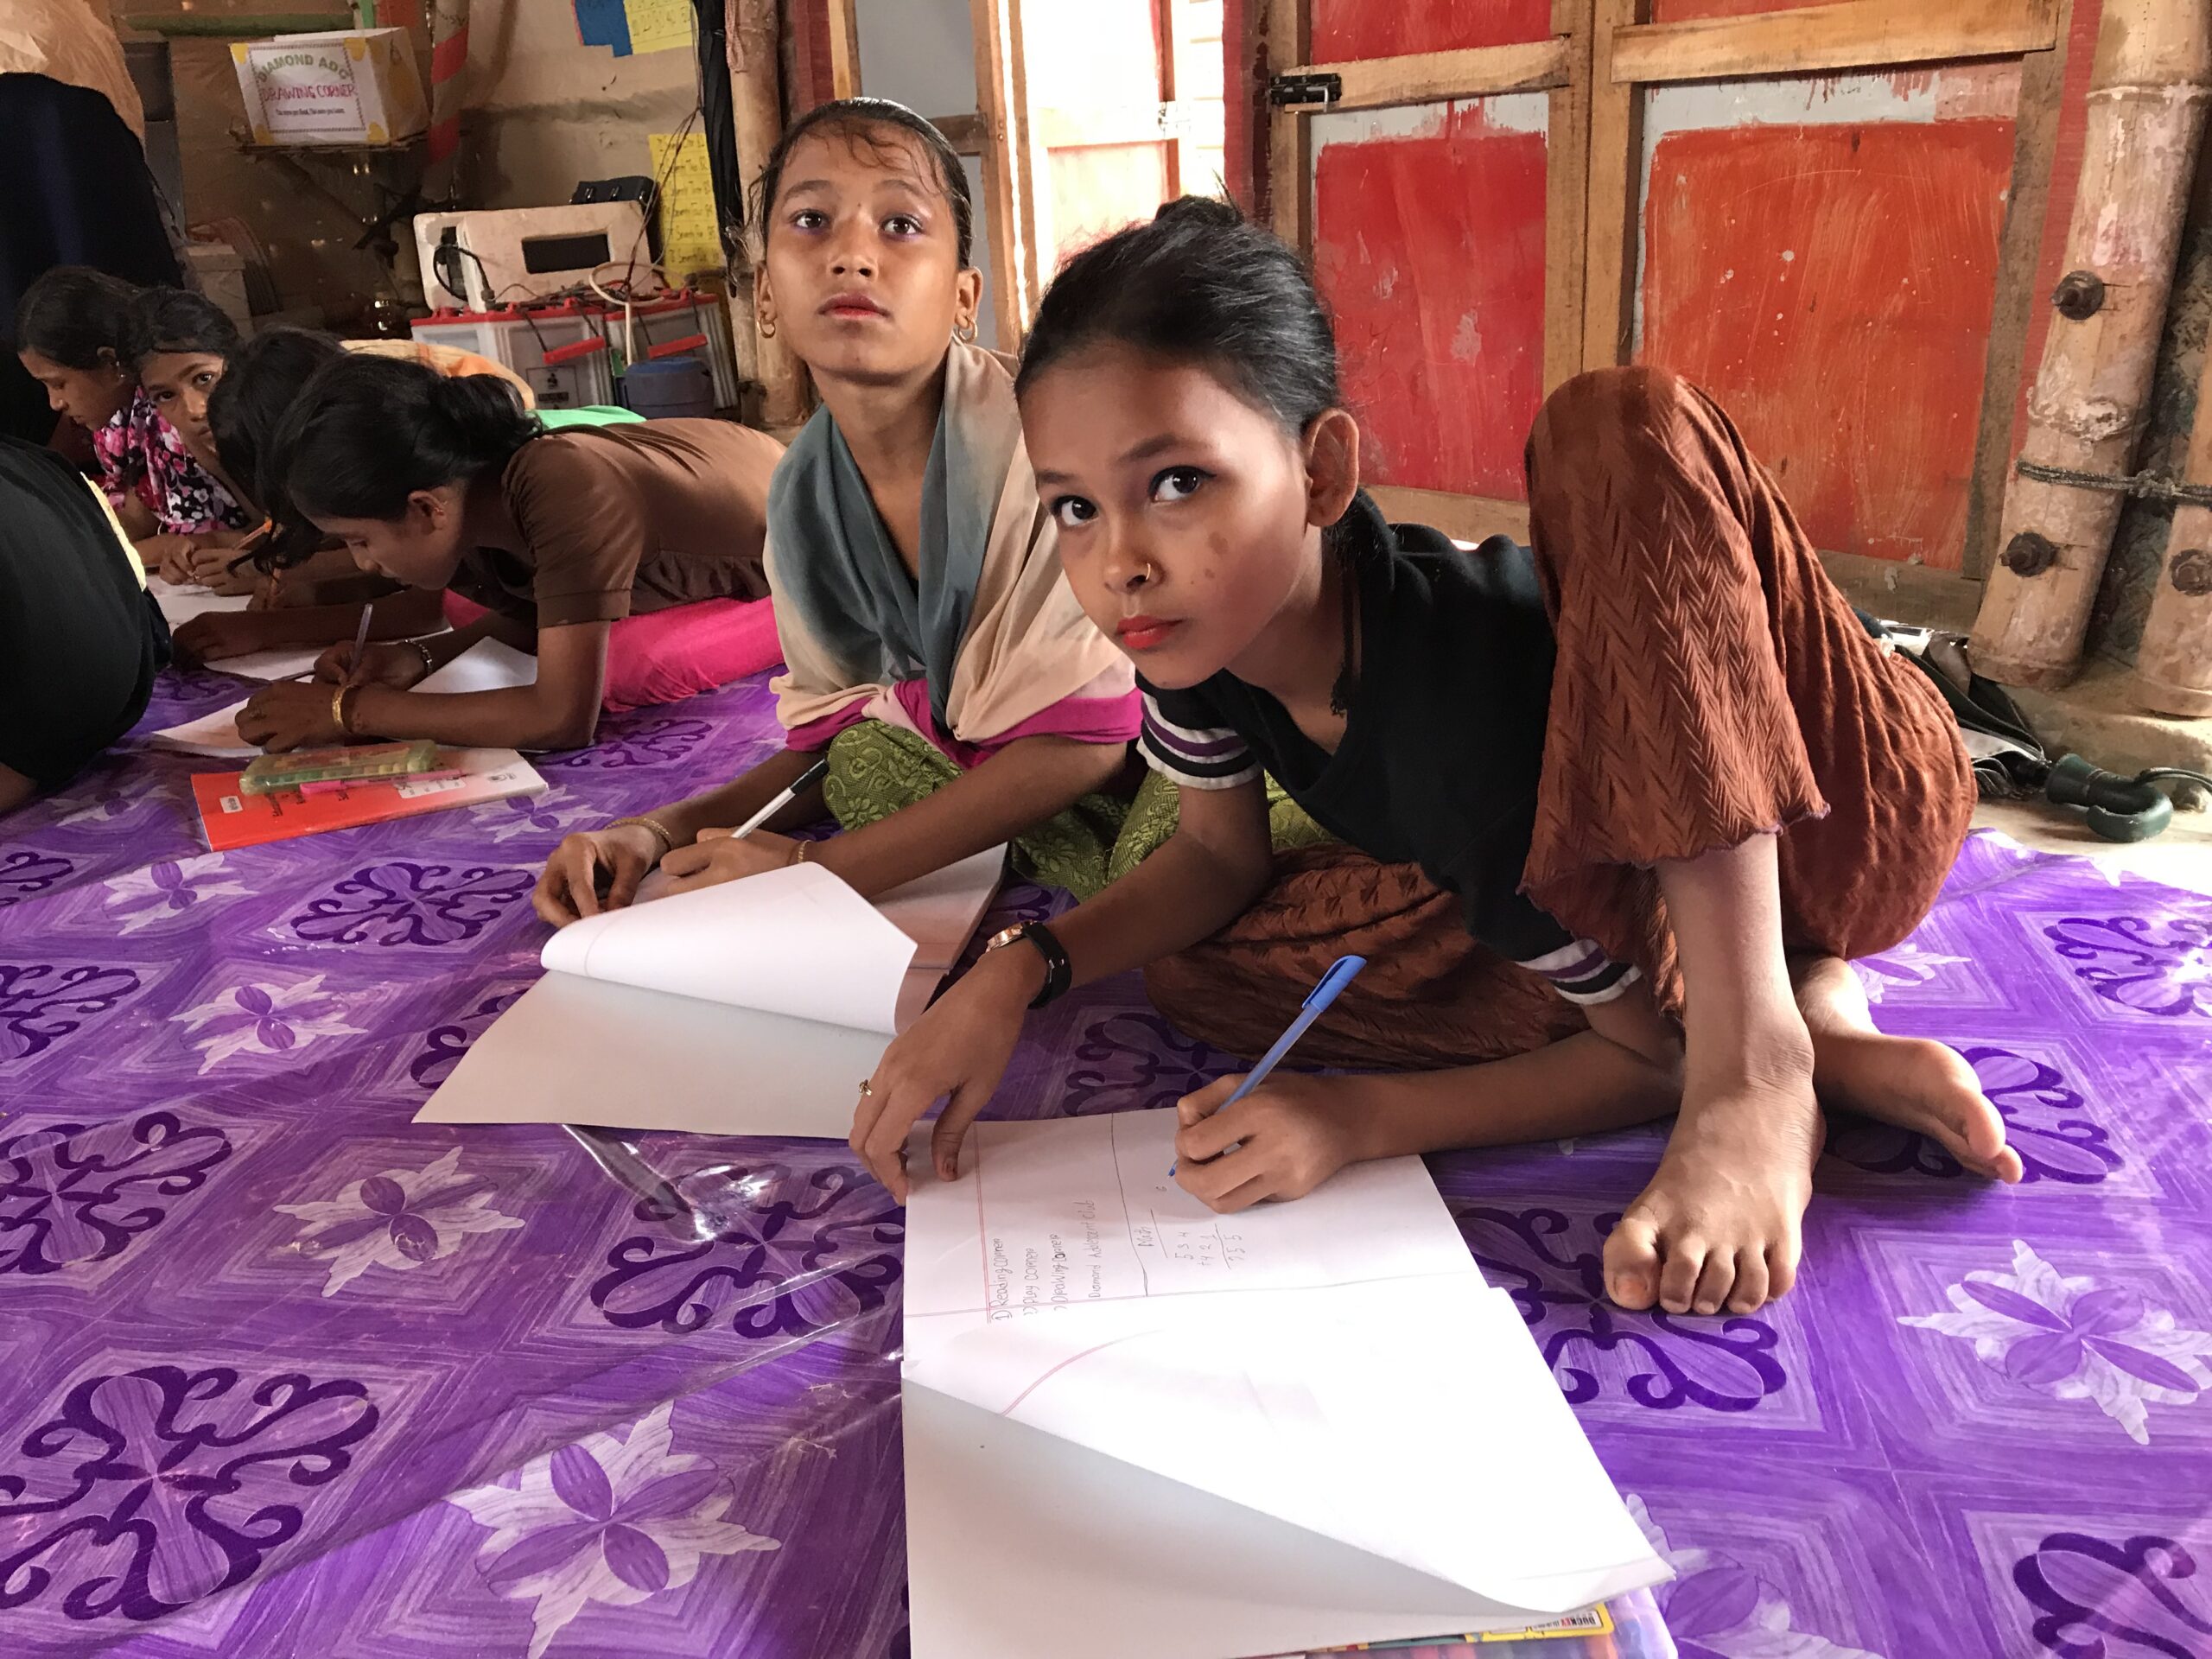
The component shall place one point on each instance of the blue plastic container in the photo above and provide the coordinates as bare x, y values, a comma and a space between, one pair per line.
670, 388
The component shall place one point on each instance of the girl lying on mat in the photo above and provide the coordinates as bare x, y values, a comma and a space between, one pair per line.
962, 696
80, 640
317, 601
1655, 757
73, 334
627, 556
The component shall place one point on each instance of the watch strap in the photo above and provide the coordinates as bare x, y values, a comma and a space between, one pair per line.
1059, 972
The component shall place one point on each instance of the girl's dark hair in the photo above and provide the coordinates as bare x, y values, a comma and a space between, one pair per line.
170, 320
73, 313
258, 389
367, 432
1201, 285
858, 121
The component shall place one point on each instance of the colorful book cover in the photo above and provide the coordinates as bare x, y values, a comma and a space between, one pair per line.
1630, 1628
233, 818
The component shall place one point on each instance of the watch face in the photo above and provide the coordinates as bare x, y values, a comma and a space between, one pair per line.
1006, 936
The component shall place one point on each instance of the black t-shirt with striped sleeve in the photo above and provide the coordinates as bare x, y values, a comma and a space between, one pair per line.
1443, 745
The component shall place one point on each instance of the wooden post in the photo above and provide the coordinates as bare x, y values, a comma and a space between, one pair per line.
2147, 103
2173, 665
756, 106
1290, 141
1615, 160
2027, 203
1566, 195
1011, 217
844, 50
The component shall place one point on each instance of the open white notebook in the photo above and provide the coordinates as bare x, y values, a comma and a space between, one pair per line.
1135, 1427
753, 1007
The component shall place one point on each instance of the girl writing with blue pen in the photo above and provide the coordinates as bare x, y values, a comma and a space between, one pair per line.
1655, 757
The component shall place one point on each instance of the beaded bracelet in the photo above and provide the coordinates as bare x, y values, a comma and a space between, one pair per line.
667, 838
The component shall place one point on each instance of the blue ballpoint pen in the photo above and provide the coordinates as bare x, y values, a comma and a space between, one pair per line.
1342, 972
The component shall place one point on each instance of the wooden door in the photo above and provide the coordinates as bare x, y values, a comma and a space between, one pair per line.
1827, 215
1430, 159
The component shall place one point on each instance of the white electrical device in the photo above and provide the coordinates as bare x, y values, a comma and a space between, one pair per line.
476, 261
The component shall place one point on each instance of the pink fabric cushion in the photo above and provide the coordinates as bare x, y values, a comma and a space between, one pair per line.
674, 653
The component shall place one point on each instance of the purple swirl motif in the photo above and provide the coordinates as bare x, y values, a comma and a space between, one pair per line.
72, 1194
1719, 1365
183, 685
25, 876
401, 904
41, 1002
2044, 1120
164, 1486
443, 1047
2101, 1600
1131, 1062
799, 1252
2127, 960
653, 741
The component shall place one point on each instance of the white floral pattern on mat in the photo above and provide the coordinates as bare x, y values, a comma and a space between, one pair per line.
2075, 1339
608, 1520
399, 1219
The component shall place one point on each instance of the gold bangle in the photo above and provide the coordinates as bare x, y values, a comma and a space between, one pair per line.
667, 840
799, 856
342, 709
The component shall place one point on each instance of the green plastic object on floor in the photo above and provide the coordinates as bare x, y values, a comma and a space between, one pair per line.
589, 415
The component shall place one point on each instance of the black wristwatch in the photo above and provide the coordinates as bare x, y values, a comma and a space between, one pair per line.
1059, 973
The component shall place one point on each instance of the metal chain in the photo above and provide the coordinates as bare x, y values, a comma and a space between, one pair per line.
2148, 486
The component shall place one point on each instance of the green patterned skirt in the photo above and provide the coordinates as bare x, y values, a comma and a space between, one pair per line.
875, 769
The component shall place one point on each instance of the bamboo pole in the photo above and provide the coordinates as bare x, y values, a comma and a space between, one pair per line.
2146, 100
2173, 665
756, 108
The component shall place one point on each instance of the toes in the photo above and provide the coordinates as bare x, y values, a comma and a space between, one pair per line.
1781, 1269
1714, 1282
1632, 1263
1678, 1279
1750, 1292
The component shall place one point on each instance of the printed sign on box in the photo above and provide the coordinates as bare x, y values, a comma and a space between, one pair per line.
343, 86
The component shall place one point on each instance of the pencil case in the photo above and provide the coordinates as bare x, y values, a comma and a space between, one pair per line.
374, 760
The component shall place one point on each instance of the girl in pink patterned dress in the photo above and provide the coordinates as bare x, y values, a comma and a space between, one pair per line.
70, 334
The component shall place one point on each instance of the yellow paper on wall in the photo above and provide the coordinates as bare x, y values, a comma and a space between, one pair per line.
658, 25
688, 240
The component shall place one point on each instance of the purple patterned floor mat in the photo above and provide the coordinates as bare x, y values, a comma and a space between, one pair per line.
285, 1375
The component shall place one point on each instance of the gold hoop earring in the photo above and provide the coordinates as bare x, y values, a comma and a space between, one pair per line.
965, 334
766, 326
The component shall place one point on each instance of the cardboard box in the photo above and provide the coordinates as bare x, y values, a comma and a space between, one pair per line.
342, 87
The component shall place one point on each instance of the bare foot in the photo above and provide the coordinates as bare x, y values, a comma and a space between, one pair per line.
1719, 1226
1911, 1081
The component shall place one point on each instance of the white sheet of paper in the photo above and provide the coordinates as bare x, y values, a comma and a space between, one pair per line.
797, 942
640, 1021
215, 736
488, 665
278, 663
181, 602
1334, 1367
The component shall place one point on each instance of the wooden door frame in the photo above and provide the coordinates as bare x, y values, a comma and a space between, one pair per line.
1629, 54
1601, 56
1560, 67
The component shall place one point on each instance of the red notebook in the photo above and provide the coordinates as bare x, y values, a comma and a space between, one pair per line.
233, 818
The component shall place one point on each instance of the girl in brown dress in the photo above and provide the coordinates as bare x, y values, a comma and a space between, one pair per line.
1670, 782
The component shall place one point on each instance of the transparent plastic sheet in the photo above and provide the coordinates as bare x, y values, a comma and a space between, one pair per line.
285, 1374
